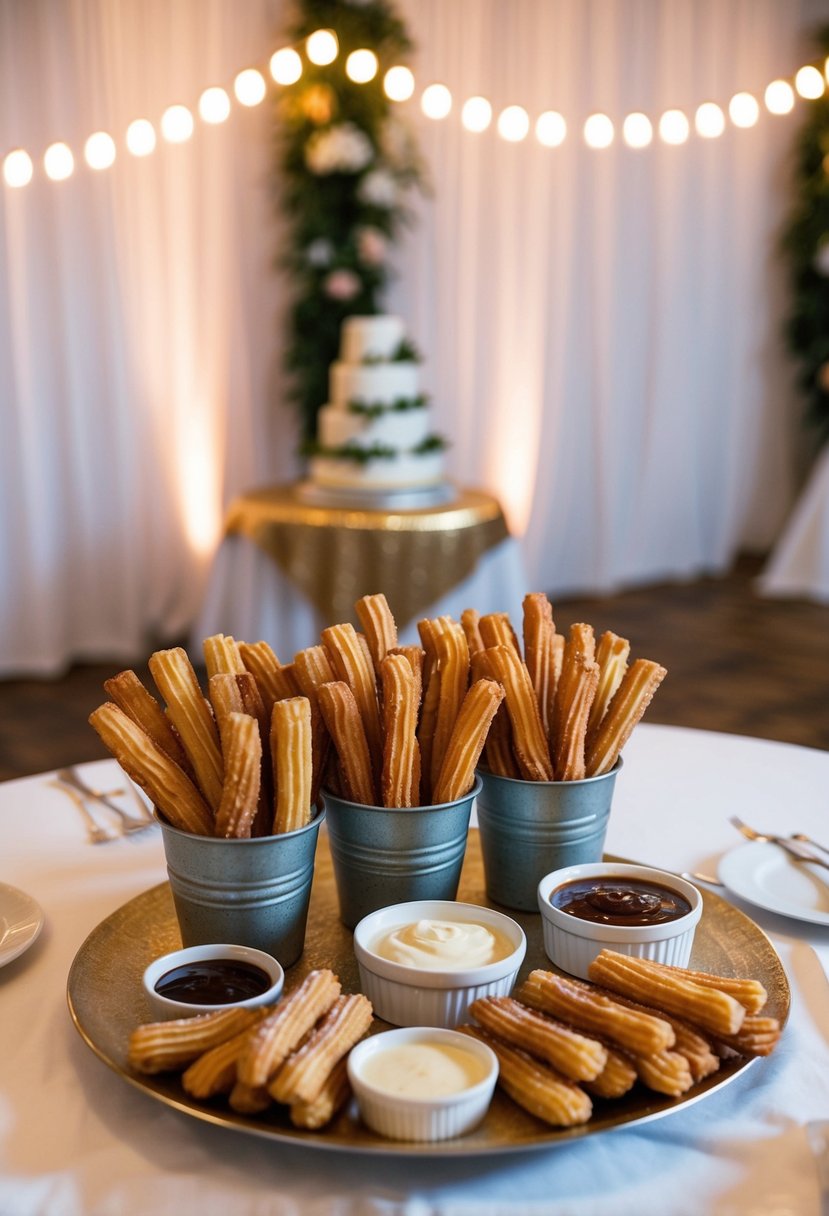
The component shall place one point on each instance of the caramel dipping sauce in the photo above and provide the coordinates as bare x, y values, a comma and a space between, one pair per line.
619, 901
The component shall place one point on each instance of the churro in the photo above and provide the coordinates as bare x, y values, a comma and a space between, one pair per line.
291, 757
303, 1075
415, 657
757, 1036
243, 776
138, 703
453, 663
573, 712
426, 732
536, 1087
335, 1092
190, 714
379, 626
497, 629
616, 1078
280, 1032
498, 754
221, 654
470, 623
312, 668
528, 738
429, 629
166, 1046
355, 669
345, 725
538, 651
632, 698
274, 679
665, 1072
248, 1099
582, 1006
750, 993
161, 779
457, 775
400, 775
709, 1008
214, 1072
574, 1055
612, 657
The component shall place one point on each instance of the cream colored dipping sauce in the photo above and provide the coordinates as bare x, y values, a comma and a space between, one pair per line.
423, 1070
443, 945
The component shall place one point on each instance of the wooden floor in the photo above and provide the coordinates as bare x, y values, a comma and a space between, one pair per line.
736, 663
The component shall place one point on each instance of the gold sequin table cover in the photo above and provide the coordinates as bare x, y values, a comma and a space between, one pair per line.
288, 567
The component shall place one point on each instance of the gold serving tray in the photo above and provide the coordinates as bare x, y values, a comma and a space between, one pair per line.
106, 1002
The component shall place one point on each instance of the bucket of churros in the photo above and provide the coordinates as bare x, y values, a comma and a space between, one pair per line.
552, 754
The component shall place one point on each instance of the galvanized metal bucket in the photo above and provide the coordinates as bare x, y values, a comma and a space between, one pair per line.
529, 828
246, 892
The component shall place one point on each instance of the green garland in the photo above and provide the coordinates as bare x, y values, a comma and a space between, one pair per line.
344, 162
806, 245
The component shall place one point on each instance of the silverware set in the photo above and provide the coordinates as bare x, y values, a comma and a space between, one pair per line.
798, 845
87, 800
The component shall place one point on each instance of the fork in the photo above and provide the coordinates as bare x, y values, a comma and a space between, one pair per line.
131, 824
97, 834
793, 847
804, 839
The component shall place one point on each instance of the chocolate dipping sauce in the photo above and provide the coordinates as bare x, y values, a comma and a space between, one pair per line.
213, 981
619, 901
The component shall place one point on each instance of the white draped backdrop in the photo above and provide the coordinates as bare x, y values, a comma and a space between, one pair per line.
601, 328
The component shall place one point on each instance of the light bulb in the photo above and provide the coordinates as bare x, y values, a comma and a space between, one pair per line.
17, 168
286, 66
141, 137
476, 114
322, 47
398, 83
743, 110
177, 124
513, 124
709, 120
779, 97
637, 130
249, 87
809, 83
598, 131
99, 150
361, 66
550, 129
214, 105
673, 127
436, 101
58, 162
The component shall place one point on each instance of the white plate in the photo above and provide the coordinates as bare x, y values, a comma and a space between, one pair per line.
766, 876
21, 920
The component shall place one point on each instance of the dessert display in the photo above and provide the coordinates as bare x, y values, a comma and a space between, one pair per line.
387, 726
374, 434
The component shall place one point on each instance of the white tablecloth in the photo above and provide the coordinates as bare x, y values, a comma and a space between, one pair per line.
76, 1140
249, 598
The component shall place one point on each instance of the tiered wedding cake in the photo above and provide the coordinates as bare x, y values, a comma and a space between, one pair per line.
374, 435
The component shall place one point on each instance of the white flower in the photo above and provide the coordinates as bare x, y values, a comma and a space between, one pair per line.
371, 245
341, 285
378, 189
344, 148
821, 262
320, 252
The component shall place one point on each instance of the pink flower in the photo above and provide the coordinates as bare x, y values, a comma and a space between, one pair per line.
371, 246
341, 285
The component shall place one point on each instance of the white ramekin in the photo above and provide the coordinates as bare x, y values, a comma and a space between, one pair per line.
412, 996
401, 1118
164, 1007
572, 944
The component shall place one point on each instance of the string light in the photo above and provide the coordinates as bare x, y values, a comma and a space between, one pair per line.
399, 83
709, 120
249, 87
779, 97
141, 137
743, 110
361, 66
637, 130
214, 105
285, 65
674, 127
513, 124
17, 168
550, 129
598, 131
809, 83
322, 47
177, 124
99, 150
476, 114
58, 162
436, 101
